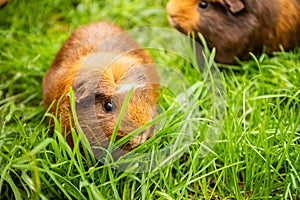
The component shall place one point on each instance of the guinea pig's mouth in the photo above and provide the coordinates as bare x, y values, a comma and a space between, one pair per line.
171, 20
176, 25
132, 143
137, 140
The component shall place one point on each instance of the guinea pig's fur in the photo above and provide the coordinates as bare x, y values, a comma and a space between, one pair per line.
101, 63
237, 27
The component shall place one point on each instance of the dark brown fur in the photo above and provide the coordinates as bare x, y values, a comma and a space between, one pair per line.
237, 27
76, 65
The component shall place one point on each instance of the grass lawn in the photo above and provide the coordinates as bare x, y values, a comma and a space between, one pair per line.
256, 155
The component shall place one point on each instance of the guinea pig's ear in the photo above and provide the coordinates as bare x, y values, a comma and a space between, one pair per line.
235, 6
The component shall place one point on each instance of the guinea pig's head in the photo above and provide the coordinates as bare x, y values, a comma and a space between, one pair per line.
100, 95
226, 25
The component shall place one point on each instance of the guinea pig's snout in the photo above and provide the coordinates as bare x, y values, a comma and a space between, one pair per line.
176, 25
171, 15
141, 138
183, 15
171, 21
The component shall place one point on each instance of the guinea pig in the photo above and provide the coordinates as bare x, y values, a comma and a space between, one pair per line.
102, 63
237, 27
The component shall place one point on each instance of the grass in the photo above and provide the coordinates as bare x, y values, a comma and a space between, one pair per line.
256, 156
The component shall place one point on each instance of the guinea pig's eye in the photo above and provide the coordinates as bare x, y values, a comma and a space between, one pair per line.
203, 4
109, 106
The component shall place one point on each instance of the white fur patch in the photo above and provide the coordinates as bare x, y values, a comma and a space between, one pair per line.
127, 87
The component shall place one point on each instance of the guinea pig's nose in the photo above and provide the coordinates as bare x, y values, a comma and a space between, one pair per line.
137, 140
141, 138
171, 14
171, 21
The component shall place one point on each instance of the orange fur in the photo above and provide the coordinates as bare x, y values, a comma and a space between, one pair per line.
289, 18
95, 56
187, 11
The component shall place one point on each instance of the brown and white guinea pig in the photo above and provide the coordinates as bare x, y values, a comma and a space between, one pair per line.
102, 63
237, 27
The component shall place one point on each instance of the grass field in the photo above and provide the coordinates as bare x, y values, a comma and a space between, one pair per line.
256, 156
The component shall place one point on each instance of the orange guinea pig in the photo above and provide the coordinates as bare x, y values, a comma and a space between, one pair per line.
102, 64
237, 27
